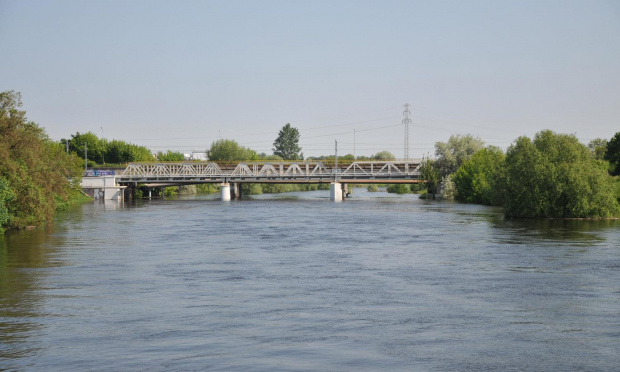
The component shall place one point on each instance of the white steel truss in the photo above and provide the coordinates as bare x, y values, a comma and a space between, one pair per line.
257, 171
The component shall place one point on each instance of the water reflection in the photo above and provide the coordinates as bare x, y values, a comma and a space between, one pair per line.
518, 231
26, 256
23, 257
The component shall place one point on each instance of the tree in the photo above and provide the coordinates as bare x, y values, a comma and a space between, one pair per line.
556, 176
6, 196
455, 152
612, 155
170, 156
598, 146
287, 144
89, 142
36, 174
448, 190
384, 155
114, 151
477, 180
430, 174
230, 150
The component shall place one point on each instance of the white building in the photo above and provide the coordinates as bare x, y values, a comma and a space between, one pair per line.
202, 156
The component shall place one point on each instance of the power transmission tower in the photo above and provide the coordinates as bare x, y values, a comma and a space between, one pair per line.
406, 122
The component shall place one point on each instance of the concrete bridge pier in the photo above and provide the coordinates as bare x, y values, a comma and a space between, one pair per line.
225, 191
335, 191
235, 191
345, 190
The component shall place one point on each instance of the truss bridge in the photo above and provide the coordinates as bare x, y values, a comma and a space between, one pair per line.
232, 176
271, 172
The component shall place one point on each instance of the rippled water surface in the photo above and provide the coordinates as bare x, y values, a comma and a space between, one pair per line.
297, 283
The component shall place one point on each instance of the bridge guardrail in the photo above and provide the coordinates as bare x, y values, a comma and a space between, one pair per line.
98, 173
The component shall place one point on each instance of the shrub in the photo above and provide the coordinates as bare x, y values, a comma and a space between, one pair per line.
399, 189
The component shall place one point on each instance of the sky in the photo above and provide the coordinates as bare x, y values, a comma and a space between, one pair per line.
178, 75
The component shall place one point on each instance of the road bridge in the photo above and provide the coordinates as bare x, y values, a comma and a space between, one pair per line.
234, 174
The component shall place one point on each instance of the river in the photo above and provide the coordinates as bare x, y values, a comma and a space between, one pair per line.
294, 282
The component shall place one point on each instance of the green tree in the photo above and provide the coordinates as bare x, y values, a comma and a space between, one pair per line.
478, 179
287, 144
88, 143
612, 154
383, 155
37, 174
430, 174
114, 151
458, 149
598, 146
170, 156
6, 196
556, 176
230, 150
448, 190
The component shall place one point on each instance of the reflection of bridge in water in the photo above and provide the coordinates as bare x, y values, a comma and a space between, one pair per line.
234, 175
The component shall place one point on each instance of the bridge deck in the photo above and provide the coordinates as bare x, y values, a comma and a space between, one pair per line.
271, 172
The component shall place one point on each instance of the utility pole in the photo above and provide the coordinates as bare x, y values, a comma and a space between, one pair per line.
336, 165
67, 143
354, 157
85, 156
102, 151
406, 122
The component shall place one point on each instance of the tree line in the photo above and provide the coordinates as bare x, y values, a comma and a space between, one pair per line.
552, 175
37, 175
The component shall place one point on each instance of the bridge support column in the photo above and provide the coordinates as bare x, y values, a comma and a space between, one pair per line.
335, 191
235, 191
225, 191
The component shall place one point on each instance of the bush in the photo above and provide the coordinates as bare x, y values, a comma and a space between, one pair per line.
372, 188
448, 190
477, 180
399, 189
171, 191
556, 176
207, 188
417, 188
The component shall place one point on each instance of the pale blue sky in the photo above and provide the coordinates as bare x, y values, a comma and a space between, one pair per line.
181, 74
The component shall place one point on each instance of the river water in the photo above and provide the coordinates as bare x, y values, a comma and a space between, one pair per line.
294, 282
